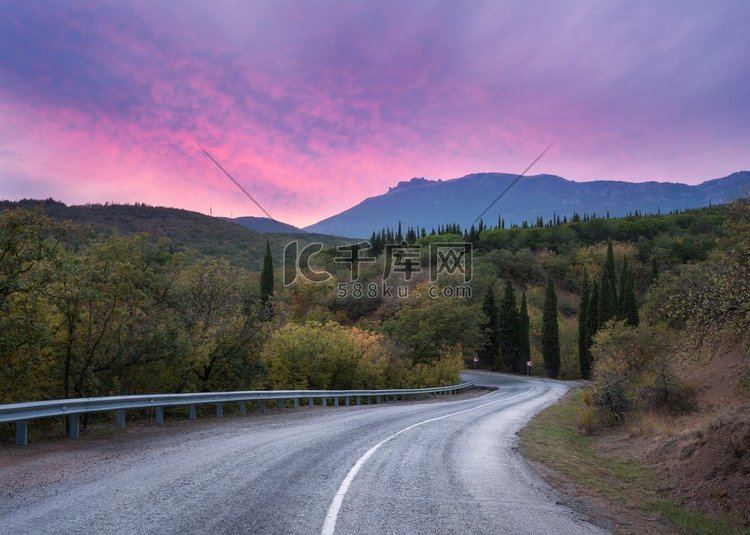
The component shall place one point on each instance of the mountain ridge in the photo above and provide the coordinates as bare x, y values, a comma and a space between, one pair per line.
263, 224
186, 230
422, 202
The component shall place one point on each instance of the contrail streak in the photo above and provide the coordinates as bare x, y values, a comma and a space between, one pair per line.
514, 182
236, 183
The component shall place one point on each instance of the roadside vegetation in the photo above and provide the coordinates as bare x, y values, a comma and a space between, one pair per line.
653, 309
91, 315
664, 428
627, 494
102, 308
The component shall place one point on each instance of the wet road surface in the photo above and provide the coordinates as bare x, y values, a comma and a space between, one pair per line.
423, 468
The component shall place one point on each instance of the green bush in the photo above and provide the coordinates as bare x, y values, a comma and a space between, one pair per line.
662, 389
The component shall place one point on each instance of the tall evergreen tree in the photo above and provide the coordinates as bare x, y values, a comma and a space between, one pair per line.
611, 277
550, 331
629, 304
508, 328
524, 347
604, 301
607, 306
654, 268
584, 356
622, 289
592, 315
491, 352
266, 276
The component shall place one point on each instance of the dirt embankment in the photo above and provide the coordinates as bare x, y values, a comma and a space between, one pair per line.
704, 456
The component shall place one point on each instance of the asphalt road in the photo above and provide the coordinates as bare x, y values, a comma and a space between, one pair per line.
433, 468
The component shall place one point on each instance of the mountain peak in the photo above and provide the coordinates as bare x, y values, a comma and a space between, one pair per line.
413, 183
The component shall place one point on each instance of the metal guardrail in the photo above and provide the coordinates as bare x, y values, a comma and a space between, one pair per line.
22, 413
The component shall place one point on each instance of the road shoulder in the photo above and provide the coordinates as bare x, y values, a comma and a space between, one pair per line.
617, 494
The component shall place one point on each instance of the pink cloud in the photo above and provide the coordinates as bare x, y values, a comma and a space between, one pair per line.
315, 109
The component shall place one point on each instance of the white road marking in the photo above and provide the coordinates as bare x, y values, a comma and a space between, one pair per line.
329, 526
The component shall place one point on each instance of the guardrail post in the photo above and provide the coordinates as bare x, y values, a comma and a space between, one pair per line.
219, 410
335, 402
377, 399
359, 400
346, 401
310, 402
75, 429
262, 405
22, 433
280, 404
193, 412
243, 409
159, 416
325, 402
296, 403
120, 419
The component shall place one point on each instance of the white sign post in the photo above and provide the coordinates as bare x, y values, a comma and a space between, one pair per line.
528, 367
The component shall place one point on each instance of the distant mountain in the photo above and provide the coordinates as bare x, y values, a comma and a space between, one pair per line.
420, 202
212, 236
263, 224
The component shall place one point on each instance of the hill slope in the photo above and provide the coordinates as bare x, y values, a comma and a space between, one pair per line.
428, 203
263, 224
187, 230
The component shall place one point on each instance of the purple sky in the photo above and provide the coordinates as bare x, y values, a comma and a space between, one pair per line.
314, 106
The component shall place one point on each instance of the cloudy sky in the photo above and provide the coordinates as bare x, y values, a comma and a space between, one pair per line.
315, 105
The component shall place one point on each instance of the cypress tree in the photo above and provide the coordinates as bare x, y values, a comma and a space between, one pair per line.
609, 290
550, 332
607, 306
508, 329
592, 316
603, 304
654, 269
266, 276
524, 347
584, 357
630, 305
491, 351
623, 288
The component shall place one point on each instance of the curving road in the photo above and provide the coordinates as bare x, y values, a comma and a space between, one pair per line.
429, 467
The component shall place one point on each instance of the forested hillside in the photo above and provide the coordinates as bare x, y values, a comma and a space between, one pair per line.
526, 256
120, 312
87, 315
211, 236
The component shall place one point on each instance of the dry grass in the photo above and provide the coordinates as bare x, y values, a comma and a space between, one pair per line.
625, 491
